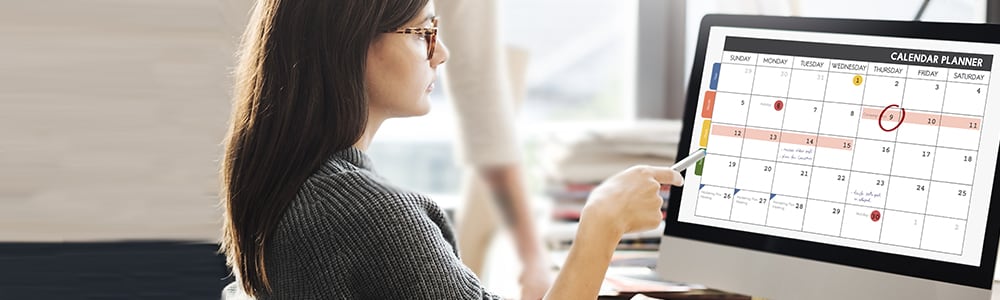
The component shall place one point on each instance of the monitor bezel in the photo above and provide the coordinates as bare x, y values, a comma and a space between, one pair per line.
966, 275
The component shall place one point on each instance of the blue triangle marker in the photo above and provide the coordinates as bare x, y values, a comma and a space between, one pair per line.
737, 191
701, 187
772, 196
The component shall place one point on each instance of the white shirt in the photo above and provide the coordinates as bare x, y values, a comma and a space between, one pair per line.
477, 82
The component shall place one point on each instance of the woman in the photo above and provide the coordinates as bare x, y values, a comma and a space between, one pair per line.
305, 215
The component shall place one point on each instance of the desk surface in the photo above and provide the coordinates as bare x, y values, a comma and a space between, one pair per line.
692, 295
720, 295
501, 280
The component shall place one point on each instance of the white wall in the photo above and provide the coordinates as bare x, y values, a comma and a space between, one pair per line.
963, 11
112, 114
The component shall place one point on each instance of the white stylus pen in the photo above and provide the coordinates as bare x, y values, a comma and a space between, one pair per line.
689, 160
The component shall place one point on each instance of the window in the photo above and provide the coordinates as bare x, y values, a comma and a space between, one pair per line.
581, 66
964, 11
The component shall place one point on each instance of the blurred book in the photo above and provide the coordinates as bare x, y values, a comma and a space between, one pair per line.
595, 151
640, 280
568, 199
576, 157
633, 272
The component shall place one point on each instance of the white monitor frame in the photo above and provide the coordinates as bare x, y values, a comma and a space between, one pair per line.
780, 277
785, 268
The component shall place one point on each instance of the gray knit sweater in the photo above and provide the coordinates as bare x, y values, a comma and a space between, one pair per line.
349, 234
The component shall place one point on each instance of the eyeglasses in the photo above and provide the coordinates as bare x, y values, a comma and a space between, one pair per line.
430, 35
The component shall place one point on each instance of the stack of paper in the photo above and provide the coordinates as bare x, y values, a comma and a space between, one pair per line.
593, 152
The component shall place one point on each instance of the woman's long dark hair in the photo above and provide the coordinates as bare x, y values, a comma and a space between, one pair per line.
299, 97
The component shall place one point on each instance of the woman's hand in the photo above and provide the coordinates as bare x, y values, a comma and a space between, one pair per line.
627, 202
630, 201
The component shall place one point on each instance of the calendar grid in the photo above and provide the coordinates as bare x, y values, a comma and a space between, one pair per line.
845, 170
841, 136
791, 72
805, 122
822, 234
974, 169
743, 138
850, 175
812, 169
892, 161
838, 102
835, 202
937, 140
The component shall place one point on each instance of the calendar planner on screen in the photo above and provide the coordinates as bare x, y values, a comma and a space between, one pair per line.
874, 145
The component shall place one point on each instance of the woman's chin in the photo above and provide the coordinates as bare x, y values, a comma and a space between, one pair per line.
424, 111
423, 106
420, 109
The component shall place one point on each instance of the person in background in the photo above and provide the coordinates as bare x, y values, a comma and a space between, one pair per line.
480, 91
305, 215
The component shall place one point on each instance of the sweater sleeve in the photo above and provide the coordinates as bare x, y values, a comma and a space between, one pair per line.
477, 83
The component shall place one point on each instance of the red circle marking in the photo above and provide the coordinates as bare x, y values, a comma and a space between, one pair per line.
902, 116
778, 105
876, 216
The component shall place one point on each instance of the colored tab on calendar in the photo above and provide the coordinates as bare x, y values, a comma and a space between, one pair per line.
708, 105
706, 127
715, 76
698, 167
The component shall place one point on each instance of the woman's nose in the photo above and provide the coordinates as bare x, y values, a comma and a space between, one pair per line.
440, 53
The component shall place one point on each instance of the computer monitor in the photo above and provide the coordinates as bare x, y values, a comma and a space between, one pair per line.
847, 159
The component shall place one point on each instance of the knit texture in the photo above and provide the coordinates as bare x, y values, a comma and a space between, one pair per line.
349, 234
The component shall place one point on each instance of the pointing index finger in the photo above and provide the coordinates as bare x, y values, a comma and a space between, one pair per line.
665, 175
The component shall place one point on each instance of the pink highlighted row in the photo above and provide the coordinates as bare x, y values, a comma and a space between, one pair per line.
892, 115
783, 137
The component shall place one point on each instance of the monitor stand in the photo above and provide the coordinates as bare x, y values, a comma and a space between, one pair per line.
779, 277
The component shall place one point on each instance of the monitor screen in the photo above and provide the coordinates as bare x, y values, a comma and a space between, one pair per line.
880, 144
